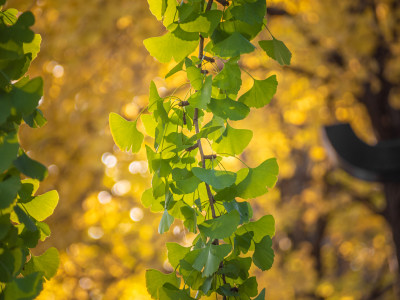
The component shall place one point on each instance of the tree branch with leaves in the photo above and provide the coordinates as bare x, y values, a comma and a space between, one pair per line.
194, 186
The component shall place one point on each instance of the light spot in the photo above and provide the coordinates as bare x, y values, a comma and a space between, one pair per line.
53, 169
58, 71
136, 214
109, 160
138, 167
86, 283
95, 232
285, 244
121, 187
176, 230
104, 197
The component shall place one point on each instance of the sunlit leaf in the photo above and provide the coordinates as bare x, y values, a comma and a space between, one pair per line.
233, 141
176, 252
206, 22
125, 134
202, 97
221, 227
217, 179
155, 280
262, 227
169, 46
261, 93
229, 79
210, 258
165, 223
157, 7
47, 263
41, 207
257, 179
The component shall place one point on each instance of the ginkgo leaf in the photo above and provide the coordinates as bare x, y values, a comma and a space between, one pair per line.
8, 150
257, 180
154, 97
260, 228
215, 178
228, 109
261, 92
235, 45
210, 258
169, 46
30, 167
277, 50
202, 97
206, 22
229, 79
176, 252
157, 8
165, 223
221, 227
8, 191
233, 141
251, 13
41, 207
47, 263
263, 256
155, 281
125, 134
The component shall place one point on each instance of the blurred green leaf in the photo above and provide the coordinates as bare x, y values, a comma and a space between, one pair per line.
30, 167
8, 191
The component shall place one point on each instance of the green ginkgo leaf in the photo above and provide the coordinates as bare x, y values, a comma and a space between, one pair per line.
210, 258
47, 263
256, 180
166, 222
169, 46
125, 134
277, 50
235, 45
221, 227
260, 228
261, 92
42, 206
176, 252
155, 281
215, 178
263, 256
233, 141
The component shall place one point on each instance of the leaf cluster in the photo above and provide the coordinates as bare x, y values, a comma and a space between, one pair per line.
22, 211
188, 184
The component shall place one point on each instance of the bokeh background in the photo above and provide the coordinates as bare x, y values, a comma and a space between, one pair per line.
332, 241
